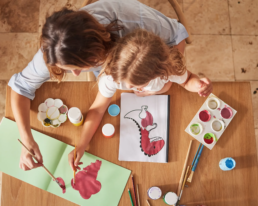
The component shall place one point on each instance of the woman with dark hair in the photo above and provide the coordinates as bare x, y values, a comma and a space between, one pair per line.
75, 41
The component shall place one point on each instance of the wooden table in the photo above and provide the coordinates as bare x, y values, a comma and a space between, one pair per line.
210, 186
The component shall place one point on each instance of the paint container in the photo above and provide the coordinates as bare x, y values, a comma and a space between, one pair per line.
195, 129
204, 116
113, 110
170, 198
108, 130
154, 193
227, 164
217, 125
209, 138
75, 116
226, 112
213, 103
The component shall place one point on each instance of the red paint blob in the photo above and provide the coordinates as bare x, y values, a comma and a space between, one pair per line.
204, 116
86, 180
148, 120
208, 141
150, 147
226, 112
61, 181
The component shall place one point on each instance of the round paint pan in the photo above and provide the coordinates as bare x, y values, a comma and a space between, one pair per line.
154, 193
209, 138
217, 125
113, 110
213, 103
195, 129
226, 112
204, 115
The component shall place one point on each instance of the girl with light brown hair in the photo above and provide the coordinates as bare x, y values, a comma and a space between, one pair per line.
141, 62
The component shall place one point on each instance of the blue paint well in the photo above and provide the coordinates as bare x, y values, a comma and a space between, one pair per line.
113, 110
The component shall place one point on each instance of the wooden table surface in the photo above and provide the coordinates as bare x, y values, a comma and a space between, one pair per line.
211, 186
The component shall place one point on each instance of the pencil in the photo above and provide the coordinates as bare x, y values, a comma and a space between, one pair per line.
134, 192
138, 197
130, 197
74, 158
148, 202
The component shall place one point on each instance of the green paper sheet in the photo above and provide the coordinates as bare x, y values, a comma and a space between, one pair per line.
113, 178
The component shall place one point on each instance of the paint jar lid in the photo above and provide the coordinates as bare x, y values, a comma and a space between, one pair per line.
154, 193
170, 198
113, 110
74, 114
108, 130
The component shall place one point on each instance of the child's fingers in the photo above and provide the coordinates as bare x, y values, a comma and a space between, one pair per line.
77, 160
71, 160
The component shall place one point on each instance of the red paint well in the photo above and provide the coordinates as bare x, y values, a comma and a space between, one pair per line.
226, 112
86, 180
208, 141
204, 116
61, 181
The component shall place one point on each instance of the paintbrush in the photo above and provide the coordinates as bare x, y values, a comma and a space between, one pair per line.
42, 165
74, 158
188, 167
148, 202
190, 178
138, 196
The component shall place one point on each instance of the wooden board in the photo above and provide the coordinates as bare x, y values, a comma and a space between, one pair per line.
210, 185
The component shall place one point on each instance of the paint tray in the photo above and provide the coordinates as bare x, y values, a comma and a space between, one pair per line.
211, 120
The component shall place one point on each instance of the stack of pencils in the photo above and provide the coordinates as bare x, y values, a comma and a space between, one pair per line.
133, 198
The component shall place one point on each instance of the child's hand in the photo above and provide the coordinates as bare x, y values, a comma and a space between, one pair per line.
75, 164
144, 93
205, 86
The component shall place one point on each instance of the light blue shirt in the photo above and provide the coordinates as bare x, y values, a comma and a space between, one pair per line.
132, 15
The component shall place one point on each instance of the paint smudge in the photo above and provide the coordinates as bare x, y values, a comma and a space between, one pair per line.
61, 181
86, 180
243, 70
204, 116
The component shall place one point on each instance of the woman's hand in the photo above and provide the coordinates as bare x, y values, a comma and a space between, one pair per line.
26, 160
75, 164
205, 87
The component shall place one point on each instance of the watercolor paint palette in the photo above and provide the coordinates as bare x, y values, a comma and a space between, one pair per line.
52, 112
211, 120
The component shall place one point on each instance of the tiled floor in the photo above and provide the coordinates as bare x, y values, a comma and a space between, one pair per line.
224, 48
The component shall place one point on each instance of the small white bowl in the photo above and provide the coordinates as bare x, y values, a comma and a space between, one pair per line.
213, 103
199, 125
217, 125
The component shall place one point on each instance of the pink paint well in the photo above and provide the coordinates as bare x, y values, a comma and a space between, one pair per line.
226, 112
86, 180
61, 181
204, 116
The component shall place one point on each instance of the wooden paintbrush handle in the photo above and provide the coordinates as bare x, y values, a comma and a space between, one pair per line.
49, 172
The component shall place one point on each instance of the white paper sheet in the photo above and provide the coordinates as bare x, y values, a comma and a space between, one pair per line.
144, 128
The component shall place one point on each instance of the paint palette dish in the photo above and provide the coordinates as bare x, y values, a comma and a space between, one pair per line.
52, 112
211, 120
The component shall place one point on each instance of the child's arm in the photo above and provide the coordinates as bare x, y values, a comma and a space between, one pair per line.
92, 121
194, 84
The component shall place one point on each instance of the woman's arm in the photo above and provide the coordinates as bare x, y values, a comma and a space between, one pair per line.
194, 84
92, 121
21, 110
181, 47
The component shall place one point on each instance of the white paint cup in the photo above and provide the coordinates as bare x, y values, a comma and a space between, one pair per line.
75, 116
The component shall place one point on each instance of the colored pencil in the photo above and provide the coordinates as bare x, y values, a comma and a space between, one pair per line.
130, 197
195, 164
74, 158
138, 196
148, 202
42, 165
184, 168
134, 193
